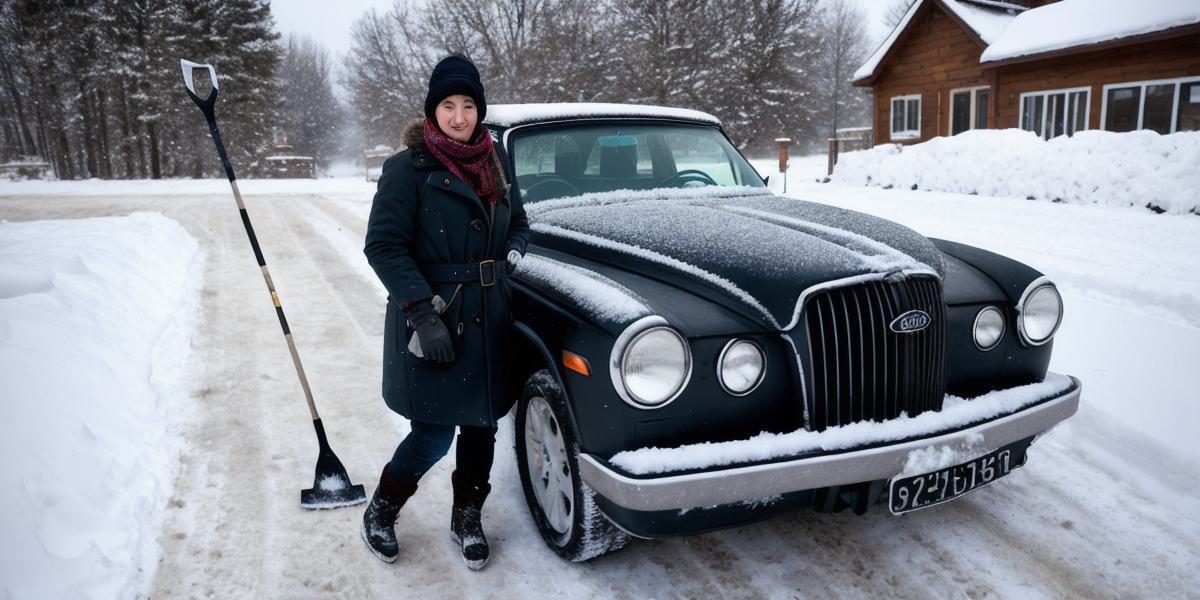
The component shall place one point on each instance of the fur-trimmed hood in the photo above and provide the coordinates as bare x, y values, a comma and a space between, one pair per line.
412, 137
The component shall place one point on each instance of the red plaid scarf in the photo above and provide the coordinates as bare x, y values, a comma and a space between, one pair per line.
475, 162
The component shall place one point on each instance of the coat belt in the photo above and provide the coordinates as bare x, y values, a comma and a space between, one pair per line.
486, 272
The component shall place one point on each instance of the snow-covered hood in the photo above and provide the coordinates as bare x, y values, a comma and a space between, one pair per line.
760, 249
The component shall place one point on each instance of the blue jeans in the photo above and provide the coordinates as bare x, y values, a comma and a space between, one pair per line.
428, 442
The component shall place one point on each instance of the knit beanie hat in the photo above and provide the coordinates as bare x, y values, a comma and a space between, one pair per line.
455, 74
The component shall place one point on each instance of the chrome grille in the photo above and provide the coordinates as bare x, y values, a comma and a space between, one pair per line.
858, 368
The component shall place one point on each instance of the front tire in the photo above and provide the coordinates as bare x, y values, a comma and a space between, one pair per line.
561, 504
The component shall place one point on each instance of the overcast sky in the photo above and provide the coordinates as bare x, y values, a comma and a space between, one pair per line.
329, 23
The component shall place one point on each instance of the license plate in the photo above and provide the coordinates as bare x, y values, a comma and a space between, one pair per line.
920, 491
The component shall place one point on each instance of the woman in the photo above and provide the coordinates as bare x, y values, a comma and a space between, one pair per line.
442, 237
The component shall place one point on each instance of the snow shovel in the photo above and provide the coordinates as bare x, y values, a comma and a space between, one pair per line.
331, 487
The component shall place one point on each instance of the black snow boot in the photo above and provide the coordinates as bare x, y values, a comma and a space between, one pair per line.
466, 529
379, 520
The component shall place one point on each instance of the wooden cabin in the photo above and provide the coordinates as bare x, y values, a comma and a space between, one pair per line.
1047, 66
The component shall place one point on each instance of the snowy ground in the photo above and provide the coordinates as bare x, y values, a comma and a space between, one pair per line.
1107, 506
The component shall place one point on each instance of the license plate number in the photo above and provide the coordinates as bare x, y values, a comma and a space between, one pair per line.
921, 491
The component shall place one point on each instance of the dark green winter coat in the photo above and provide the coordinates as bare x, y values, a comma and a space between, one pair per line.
423, 215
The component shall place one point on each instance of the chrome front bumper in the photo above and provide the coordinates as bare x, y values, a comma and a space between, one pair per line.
736, 484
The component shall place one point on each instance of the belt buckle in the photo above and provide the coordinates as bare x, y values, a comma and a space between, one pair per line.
487, 281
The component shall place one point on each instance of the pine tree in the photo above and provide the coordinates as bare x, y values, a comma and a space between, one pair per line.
310, 115
238, 37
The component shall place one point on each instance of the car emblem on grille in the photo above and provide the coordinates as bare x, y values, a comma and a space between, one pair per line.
911, 321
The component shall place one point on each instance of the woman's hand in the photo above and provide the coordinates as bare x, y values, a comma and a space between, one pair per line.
434, 337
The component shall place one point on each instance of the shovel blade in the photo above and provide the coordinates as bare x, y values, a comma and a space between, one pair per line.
331, 486
321, 499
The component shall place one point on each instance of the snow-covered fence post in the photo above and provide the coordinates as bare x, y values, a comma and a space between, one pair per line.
783, 158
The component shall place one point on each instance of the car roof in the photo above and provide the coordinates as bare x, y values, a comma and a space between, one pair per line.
509, 115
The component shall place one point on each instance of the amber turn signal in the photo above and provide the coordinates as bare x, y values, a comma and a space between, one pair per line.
576, 363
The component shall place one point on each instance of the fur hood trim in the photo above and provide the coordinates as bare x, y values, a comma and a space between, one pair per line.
412, 137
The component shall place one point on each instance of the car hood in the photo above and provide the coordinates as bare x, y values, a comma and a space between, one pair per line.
742, 247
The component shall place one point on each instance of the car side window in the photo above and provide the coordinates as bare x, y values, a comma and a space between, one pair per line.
537, 156
693, 152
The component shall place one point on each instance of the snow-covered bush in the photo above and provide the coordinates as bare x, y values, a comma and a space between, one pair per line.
1139, 168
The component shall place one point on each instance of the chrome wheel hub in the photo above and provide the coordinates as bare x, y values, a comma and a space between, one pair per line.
549, 469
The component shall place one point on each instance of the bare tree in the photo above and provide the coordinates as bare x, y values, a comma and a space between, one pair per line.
752, 63
845, 45
385, 76
895, 12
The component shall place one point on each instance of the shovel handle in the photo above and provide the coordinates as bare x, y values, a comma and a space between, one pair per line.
208, 107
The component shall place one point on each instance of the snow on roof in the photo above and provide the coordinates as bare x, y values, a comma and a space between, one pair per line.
1090, 21
987, 19
988, 23
507, 115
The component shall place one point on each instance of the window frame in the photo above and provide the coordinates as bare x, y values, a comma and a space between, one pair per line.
1045, 94
973, 102
904, 134
1141, 116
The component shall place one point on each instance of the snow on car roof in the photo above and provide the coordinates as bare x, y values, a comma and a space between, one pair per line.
1091, 21
987, 19
508, 115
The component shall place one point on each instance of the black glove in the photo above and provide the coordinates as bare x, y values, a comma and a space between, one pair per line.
435, 338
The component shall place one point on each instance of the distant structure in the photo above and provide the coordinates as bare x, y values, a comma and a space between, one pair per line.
1052, 67
283, 163
27, 167
374, 159
847, 139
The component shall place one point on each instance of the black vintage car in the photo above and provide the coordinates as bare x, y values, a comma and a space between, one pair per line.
692, 352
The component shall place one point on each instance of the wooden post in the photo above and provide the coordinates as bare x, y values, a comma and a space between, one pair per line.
831, 155
783, 158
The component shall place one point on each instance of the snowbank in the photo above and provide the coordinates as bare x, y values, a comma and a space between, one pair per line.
96, 317
956, 412
1139, 168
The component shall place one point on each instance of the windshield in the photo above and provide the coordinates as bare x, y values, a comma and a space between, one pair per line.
560, 161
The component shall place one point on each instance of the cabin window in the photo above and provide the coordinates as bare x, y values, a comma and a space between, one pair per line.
1188, 108
1165, 106
906, 117
968, 109
1052, 113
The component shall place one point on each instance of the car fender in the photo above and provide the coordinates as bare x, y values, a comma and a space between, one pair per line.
1011, 276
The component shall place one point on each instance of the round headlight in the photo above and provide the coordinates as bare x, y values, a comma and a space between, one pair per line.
1040, 312
741, 366
989, 328
655, 366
